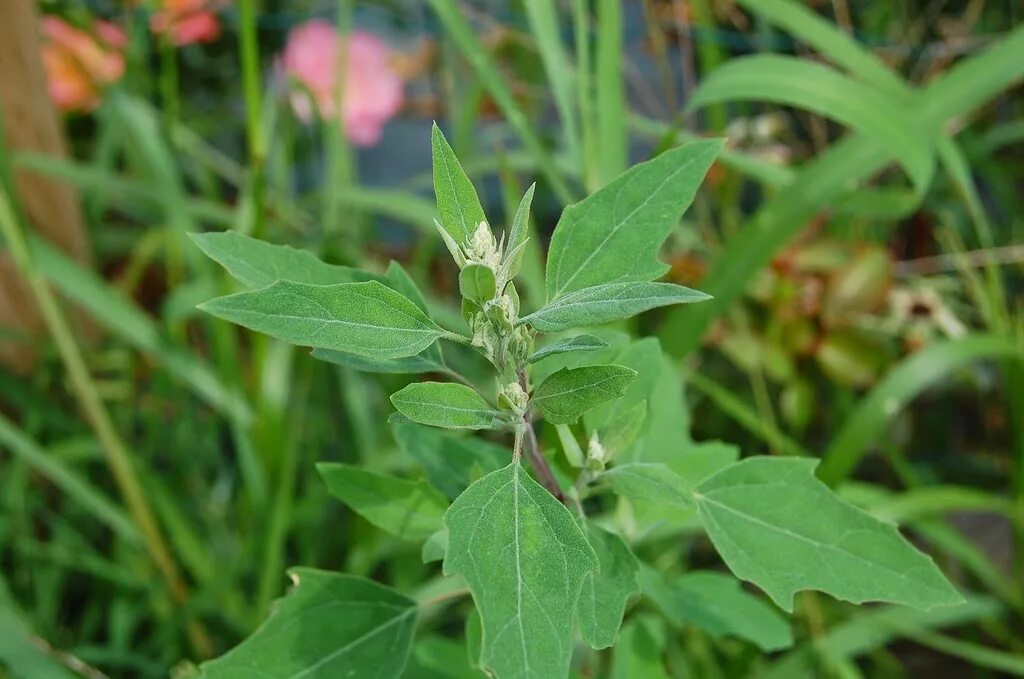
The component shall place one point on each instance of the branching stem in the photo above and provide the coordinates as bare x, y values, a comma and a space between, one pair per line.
540, 465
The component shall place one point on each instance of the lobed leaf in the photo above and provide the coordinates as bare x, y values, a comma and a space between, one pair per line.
524, 558
457, 201
606, 590
257, 263
779, 527
608, 302
614, 235
330, 625
368, 319
411, 510
445, 404
570, 392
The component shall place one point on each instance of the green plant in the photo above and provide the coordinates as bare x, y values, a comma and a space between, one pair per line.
547, 557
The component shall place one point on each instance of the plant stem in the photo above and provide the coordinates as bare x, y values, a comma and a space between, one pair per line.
117, 455
537, 461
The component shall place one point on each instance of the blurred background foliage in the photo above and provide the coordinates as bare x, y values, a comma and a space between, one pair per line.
863, 236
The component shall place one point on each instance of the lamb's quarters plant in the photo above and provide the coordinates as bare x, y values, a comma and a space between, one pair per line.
535, 543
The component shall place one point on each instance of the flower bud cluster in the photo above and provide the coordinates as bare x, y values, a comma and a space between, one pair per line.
482, 248
597, 456
512, 397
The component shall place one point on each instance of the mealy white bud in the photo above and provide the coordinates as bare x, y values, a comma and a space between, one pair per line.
513, 398
483, 248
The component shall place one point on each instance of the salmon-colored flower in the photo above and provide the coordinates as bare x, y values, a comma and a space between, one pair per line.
373, 90
185, 22
80, 63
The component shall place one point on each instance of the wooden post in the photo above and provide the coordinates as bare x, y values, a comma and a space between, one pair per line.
31, 123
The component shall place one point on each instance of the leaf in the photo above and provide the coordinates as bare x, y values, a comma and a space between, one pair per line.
779, 527
524, 558
570, 392
422, 362
457, 202
702, 460
718, 605
651, 482
622, 429
805, 84
22, 656
368, 319
257, 263
330, 625
606, 590
639, 649
517, 235
445, 404
614, 235
450, 462
435, 546
411, 510
608, 302
564, 346
476, 282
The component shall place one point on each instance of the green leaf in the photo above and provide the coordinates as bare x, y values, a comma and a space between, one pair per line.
805, 84
606, 590
445, 404
608, 302
517, 236
614, 235
368, 319
330, 625
22, 656
570, 392
422, 362
457, 202
718, 605
623, 429
257, 263
411, 510
639, 649
435, 546
564, 346
779, 527
700, 461
524, 558
651, 482
450, 462
476, 282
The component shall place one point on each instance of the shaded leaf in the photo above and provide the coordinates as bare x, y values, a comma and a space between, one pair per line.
450, 462
411, 510
651, 482
608, 302
422, 362
330, 625
779, 527
445, 404
369, 319
638, 651
606, 590
524, 558
570, 392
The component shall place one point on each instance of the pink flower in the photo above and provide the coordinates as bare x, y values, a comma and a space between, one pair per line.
80, 63
186, 21
373, 90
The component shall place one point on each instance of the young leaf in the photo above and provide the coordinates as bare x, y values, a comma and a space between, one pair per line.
444, 404
608, 302
457, 202
330, 625
614, 235
779, 527
570, 392
411, 510
517, 235
718, 605
368, 319
564, 346
476, 283
422, 362
524, 558
257, 263
651, 482
605, 591
450, 462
